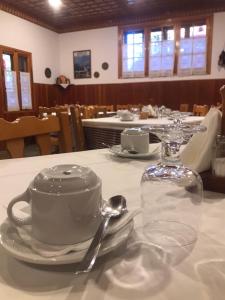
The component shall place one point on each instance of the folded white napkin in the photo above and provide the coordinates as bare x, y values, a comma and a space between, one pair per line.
150, 110
198, 152
45, 250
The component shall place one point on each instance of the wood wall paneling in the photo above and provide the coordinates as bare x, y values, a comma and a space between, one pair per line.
169, 93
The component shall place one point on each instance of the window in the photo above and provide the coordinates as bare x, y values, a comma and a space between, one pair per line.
181, 48
133, 54
16, 79
162, 51
192, 50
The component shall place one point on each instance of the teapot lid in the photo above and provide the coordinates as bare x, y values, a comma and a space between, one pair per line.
63, 179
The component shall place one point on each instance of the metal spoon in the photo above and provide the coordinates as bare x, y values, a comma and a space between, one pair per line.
115, 207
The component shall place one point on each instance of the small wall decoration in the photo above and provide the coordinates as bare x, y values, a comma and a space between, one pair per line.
82, 64
48, 73
96, 74
105, 66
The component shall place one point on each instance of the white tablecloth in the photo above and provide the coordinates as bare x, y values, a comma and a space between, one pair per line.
116, 123
201, 276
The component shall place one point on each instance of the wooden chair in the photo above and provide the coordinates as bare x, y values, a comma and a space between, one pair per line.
42, 110
13, 134
200, 110
122, 106
88, 112
109, 108
184, 107
100, 111
78, 130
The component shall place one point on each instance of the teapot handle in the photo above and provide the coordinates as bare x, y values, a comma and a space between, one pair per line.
16, 220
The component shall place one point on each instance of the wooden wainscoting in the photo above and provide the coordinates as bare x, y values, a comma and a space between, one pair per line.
169, 93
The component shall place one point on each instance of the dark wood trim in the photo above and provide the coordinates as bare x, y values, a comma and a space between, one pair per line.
106, 22
209, 43
169, 93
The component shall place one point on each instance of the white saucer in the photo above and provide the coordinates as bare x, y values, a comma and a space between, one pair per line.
153, 150
15, 246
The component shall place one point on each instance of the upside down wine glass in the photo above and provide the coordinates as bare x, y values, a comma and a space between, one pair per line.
171, 195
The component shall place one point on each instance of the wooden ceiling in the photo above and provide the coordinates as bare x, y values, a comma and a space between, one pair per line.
86, 14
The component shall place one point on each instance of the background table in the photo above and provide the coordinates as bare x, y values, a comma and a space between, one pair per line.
201, 276
107, 130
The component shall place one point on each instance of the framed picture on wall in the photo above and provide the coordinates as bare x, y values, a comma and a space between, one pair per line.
82, 64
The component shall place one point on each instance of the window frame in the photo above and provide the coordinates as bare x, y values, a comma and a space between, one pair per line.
176, 23
15, 57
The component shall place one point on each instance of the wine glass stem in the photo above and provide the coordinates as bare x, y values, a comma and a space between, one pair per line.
170, 153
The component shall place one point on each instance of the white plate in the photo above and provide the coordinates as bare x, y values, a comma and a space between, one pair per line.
153, 150
15, 246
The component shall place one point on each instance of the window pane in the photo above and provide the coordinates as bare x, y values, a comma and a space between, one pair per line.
138, 65
199, 61
167, 47
7, 62
199, 31
128, 65
170, 35
156, 35
138, 38
139, 50
23, 65
186, 46
25, 90
185, 61
128, 51
167, 63
155, 64
155, 49
199, 45
11, 91
130, 38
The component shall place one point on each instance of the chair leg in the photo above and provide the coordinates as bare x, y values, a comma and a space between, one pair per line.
15, 147
44, 144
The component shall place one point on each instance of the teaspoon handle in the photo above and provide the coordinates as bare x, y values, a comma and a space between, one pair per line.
92, 252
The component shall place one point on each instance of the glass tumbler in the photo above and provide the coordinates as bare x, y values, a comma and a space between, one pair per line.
218, 162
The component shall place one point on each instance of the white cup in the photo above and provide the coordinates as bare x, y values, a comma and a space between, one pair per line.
65, 203
135, 139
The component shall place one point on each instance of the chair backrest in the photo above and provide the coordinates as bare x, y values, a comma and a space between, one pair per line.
122, 106
42, 110
200, 110
110, 108
100, 111
13, 133
88, 112
78, 130
184, 107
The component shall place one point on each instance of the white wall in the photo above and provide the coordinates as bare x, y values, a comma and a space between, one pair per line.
104, 48
42, 43
55, 51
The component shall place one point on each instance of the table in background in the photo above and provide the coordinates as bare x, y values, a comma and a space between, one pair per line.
201, 276
108, 130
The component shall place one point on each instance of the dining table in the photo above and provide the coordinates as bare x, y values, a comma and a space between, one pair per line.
107, 130
132, 270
